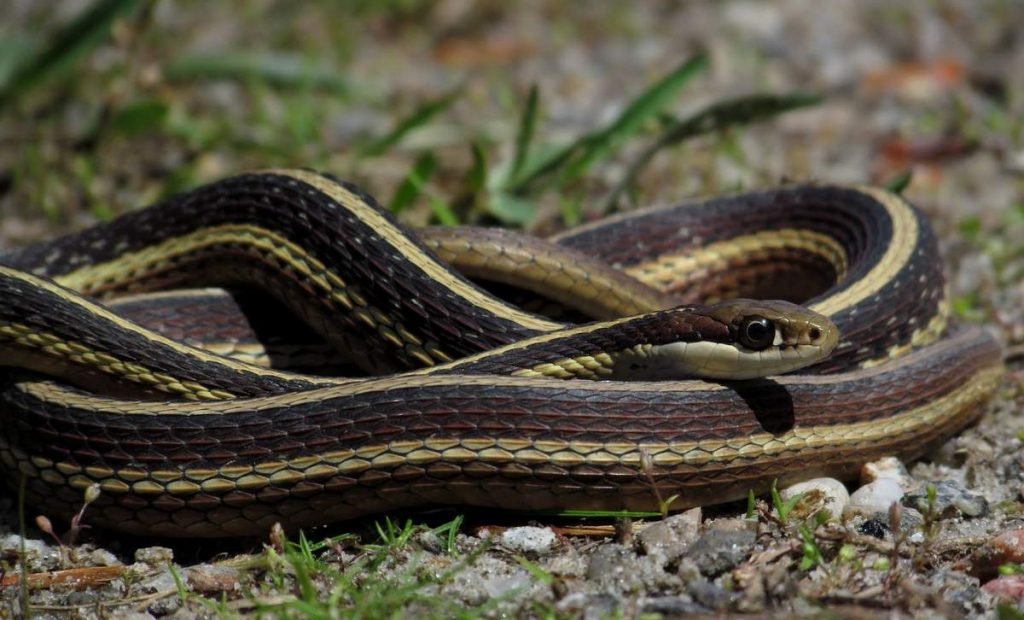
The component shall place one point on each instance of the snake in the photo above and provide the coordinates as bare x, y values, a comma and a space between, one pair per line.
122, 396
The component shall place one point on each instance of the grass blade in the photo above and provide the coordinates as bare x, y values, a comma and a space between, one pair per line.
15, 50
139, 116
540, 164
476, 176
527, 124
511, 209
739, 111
420, 116
600, 145
575, 158
278, 70
443, 212
412, 187
70, 44
716, 117
900, 182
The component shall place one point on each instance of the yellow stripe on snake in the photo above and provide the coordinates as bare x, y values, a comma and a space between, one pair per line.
469, 399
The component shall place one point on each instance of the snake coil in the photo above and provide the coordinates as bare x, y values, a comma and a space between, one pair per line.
203, 445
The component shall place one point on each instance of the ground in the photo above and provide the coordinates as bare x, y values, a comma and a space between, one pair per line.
108, 105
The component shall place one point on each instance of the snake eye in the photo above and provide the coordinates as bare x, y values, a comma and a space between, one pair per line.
756, 333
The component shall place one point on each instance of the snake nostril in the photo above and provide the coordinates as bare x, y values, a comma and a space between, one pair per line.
815, 334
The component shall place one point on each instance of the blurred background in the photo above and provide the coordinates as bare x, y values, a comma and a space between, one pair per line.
532, 114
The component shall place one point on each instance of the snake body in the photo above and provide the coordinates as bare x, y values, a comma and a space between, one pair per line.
183, 442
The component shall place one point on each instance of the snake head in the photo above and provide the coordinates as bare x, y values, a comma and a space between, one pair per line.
770, 337
732, 340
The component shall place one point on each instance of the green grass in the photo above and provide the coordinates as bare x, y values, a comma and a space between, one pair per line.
782, 507
63, 51
421, 116
388, 578
279, 70
278, 121
995, 241
717, 117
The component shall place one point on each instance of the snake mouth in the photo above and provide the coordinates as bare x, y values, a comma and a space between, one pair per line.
714, 360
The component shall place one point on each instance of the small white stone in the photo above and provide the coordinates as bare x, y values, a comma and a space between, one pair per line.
1016, 161
527, 539
154, 556
886, 467
876, 497
102, 557
819, 494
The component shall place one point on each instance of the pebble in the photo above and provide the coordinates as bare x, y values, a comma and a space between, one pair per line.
709, 595
568, 563
875, 497
1016, 161
884, 482
752, 583
162, 582
590, 605
671, 536
818, 494
733, 524
102, 557
951, 501
530, 540
429, 541
617, 568
1006, 547
962, 592
212, 579
1009, 588
875, 527
154, 556
888, 467
81, 598
673, 606
608, 560
504, 586
39, 556
720, 550
166, 606
877, 524
910, 521
489, 574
